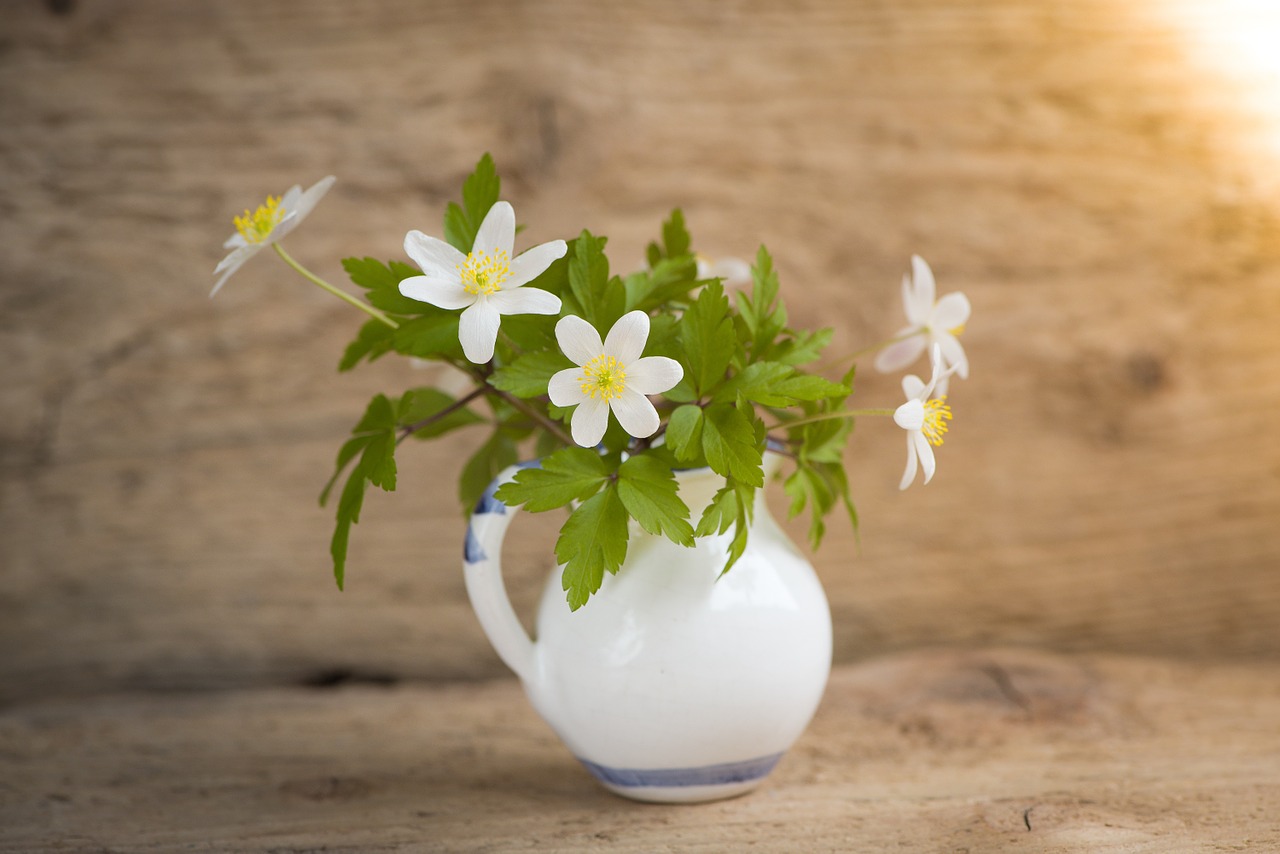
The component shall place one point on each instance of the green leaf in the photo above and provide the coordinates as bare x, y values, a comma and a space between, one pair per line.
383, 284
372, 341
729, 442
809, 387
668, 281
709, 342
592, 541
348, 514
489, 460
758, 383
346, 454
568, 475
732, 506
479, 193
432, 336
421, 404
597, 298
648, 490
684, 432
803, 348
529, 374
675, 237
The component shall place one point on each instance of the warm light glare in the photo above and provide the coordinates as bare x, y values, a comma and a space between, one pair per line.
1238, 42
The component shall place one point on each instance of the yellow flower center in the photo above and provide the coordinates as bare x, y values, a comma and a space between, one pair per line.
957, 330
484, 273
936, 416
603, 378
255, 227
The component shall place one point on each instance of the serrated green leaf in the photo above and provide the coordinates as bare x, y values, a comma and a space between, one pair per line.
809, 387
568, 475
379, 416
709, 342
675, 237
424, 404
378, 461
730, 446
479, 193
802, 348
684, 432
348, 514
382, 283
346, 454
758, 383
648, 490
593, 541
432, 336
374, 340
529, 374
720, 514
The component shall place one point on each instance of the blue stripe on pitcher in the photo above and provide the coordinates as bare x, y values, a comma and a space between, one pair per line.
707, 775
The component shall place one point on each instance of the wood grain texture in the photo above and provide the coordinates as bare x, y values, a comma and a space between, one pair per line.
1112, 481
983, 751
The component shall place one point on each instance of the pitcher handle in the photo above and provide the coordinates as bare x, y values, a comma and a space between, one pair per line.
482, 568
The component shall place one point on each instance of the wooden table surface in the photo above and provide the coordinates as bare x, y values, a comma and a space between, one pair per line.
989, 750
1101, 177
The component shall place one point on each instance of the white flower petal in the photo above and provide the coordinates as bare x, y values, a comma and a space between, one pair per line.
653, 374
434, 256
565, 387
924, 291
952, 353
578, 339
235, 241
313, 195
589, 422
626, 340
910, 473
525, 301
925, 451
735, 272
233, 262
531, 263
292, 196
951, 311
913, 387
478, 331
897, 356
442, 293
910, 415
498, 231
635, 413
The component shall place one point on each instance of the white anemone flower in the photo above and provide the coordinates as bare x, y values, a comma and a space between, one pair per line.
930, 324
486, 282
610, 376
267, 225
924, 418
734, 272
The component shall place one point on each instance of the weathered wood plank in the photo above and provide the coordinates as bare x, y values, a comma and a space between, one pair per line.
1111, 482
982, 751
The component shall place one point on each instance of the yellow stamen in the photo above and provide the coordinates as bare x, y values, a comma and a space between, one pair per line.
255, 227
957, 330
936, 416
484, 273
603, 378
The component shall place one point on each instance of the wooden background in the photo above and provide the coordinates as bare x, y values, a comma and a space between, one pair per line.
1067, 641
1107, 200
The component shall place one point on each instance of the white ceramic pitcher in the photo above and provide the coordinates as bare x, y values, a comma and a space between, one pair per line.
672, 683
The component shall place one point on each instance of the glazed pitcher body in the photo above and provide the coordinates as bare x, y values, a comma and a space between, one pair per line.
674, 682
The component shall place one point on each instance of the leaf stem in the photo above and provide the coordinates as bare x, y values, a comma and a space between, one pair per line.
407, 431
337, 292
827, 416
547, 424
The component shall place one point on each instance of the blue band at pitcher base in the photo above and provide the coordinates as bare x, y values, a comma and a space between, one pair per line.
707, 775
